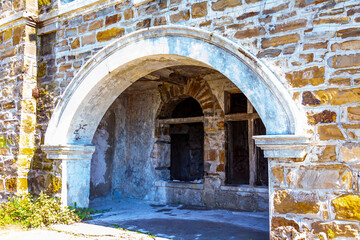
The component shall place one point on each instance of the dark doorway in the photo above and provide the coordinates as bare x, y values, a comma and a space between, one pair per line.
187, 142
187, 152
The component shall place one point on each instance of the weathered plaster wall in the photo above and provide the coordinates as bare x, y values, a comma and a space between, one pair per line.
134, 172
101, 174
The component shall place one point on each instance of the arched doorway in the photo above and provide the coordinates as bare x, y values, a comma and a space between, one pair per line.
116, 67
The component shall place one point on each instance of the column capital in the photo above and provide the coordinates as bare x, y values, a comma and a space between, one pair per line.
68, 152
282, 146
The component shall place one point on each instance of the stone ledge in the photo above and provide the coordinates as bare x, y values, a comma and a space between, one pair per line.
185, 185
68, 152
248, 189
282, 146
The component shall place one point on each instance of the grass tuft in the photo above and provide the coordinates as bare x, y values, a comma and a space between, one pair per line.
26, 211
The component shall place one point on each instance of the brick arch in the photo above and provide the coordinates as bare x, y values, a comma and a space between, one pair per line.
196, 88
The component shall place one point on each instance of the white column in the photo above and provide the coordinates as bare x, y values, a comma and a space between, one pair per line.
76, 162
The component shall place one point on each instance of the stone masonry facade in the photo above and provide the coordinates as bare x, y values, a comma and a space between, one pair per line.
312, 46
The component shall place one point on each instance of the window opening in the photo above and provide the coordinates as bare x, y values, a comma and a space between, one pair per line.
245, 163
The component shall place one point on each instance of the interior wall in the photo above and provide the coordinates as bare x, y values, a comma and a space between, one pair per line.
139, 148
134, 172
102, 159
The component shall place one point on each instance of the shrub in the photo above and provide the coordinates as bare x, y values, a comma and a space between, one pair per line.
29, 212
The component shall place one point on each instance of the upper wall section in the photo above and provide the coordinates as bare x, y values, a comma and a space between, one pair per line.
311, 46
10, 7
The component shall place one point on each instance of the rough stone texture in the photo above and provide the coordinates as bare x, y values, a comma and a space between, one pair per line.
293, 202
311, 46
347, 207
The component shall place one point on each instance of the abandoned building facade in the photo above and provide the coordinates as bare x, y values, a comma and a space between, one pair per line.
251, 105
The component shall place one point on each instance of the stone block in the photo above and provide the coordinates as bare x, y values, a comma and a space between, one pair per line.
304, 3
286, 201
22, 184
331, 177
90, 16
318, 45
289, 50
199, 10
128, 14
330, 132
7, 35
343, 61
312, 75
333, 20
309, 57
8, 53
328, 154
181, 16
350, 152
277, 222
144, 23
249, 33
331, 96
280, 40
247, 15
347, 207
278, 174
348, 45
336, 229
210, 155
221, 5
353, 113
94, 25
88, 39
349, 32
109, 20
325, 116
159, 21
18, 34
64, 67
71, 32
10, 184
109, 34
340, 81
270, 53
75, 44
289, 26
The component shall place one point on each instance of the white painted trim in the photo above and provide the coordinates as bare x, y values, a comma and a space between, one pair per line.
261, 190
68, 152
182, 185
19, 18
77, 8
283, 146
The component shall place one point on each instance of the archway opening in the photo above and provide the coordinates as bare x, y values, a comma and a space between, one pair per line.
170, 142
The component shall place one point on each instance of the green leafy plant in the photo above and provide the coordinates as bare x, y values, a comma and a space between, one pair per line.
29, 212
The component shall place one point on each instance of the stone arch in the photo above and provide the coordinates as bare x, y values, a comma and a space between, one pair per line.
107, 74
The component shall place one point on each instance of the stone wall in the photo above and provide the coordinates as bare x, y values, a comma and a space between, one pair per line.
18, 68
312, 46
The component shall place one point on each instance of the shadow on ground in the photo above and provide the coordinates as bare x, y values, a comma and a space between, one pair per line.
180, 223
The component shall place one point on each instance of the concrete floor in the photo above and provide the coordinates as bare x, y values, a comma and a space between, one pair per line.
181, 223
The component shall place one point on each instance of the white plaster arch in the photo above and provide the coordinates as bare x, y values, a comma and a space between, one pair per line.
122, 62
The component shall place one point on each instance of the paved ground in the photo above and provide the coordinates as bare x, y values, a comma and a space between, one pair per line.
162, 221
